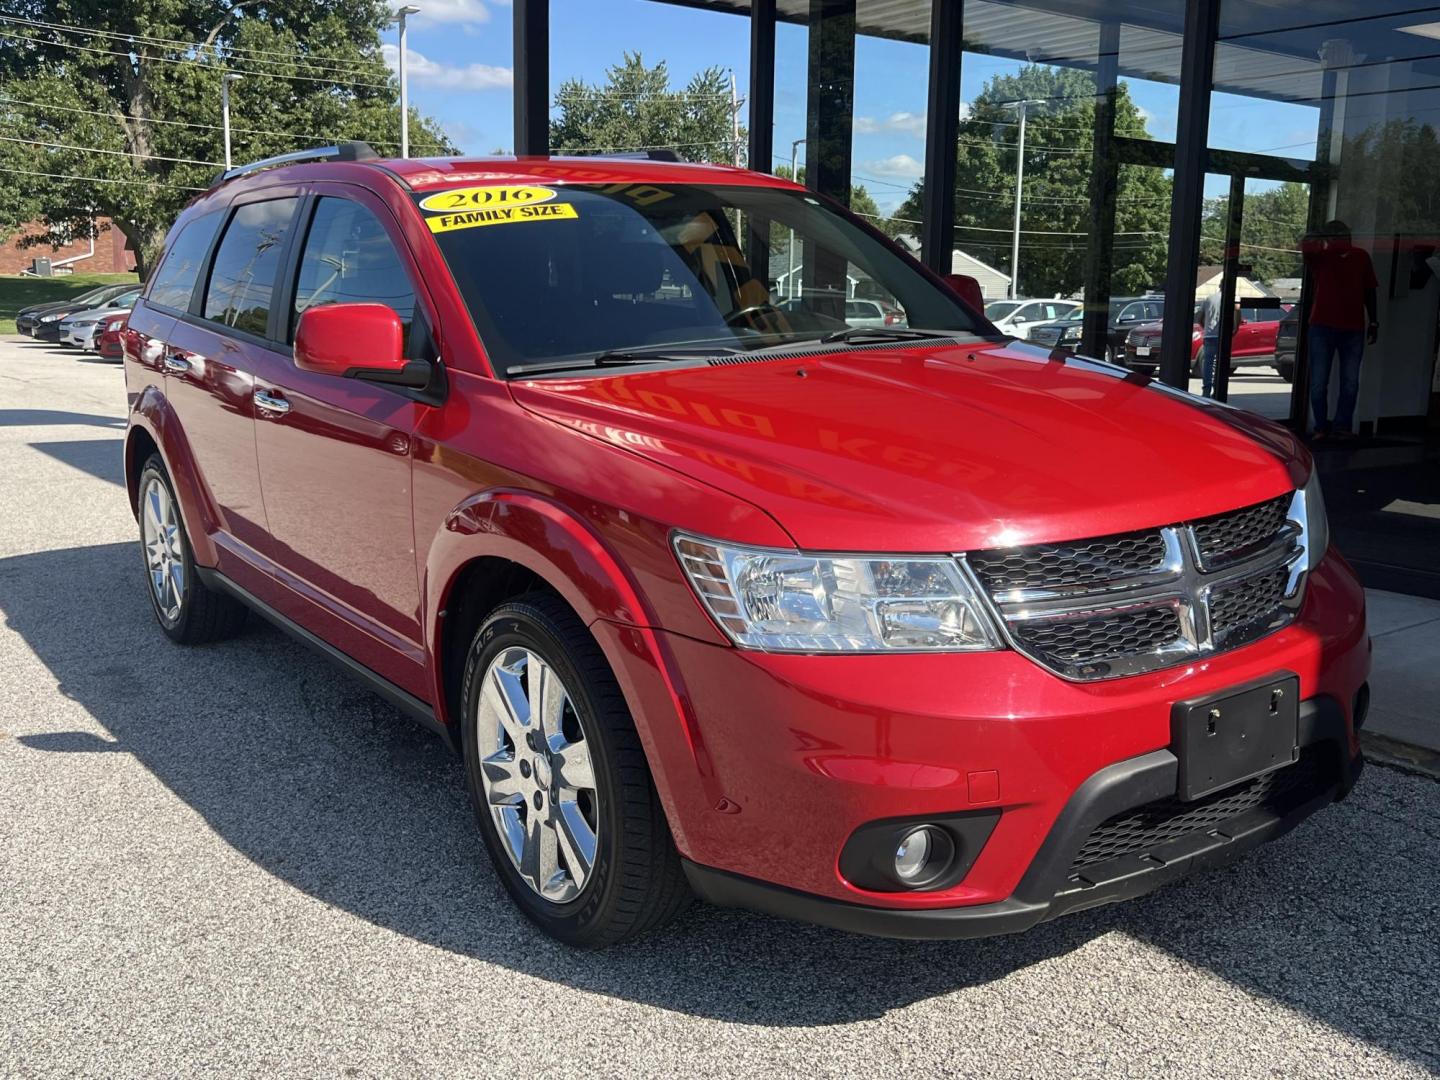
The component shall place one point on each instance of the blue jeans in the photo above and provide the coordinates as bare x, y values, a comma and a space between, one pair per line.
1326, 342
1211, 349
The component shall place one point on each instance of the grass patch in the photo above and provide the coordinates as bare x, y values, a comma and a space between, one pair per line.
21, 292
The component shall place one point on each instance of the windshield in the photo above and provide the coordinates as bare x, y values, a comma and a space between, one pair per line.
571, 272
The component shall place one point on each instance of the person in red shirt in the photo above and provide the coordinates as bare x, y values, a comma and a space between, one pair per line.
1342, 319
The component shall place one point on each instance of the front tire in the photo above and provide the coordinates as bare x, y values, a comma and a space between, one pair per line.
188, 611
559, 782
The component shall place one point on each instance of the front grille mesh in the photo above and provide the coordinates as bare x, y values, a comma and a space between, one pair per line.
1226, 537
1251, 601
1093, 641
1145, 828
1085, 562
1132, 602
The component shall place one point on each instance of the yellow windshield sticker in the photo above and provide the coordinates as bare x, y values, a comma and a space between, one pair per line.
476, 198
500, 215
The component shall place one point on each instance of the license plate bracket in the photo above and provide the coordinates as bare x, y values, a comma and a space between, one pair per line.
1228, 738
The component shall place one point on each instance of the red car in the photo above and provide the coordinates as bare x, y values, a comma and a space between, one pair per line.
109, 333
860, 625
1253, 345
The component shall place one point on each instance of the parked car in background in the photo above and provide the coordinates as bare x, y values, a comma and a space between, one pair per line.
1287, 337
31, 319
1013, 316
873, 313
1126, 312
109, 336
78, 327
1063, 333
914, 632
1254, 344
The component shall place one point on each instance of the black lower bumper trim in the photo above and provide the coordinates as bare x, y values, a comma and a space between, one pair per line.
1047, 889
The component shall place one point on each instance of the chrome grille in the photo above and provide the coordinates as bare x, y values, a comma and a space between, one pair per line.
1080, 563
1227, 537
1253, 600
1089, 641
1134, 602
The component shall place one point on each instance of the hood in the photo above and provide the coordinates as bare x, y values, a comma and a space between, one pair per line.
937, 449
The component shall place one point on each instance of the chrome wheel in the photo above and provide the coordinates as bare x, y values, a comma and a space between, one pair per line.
164, 555
537, 775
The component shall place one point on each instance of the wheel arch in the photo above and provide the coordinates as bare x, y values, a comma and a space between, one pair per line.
154, 430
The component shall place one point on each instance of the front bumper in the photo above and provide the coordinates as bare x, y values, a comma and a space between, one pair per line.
767, 764
1058, 882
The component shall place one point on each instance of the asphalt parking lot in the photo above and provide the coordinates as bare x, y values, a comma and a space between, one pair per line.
232, 860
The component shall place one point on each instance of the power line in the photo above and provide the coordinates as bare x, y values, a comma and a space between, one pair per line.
101, 150
102, 179
349, 67
196, 63
297, 136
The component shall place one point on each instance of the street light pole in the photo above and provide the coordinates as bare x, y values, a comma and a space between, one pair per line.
1023, 107
400, 15
795, 178
225, 81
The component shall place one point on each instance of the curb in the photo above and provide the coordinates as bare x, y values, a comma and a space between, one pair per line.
1383, 750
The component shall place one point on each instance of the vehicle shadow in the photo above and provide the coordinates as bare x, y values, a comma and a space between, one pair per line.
324, 786
101, 458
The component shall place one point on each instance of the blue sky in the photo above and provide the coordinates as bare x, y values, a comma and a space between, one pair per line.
460, 73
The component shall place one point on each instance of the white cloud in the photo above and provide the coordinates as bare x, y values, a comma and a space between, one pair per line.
906, 123
900, 166
902, 123
450, 11
426, 72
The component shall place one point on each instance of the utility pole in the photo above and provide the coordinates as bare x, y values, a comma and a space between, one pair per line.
400, 15
1023, 107
225, 81
795, 179
734, 121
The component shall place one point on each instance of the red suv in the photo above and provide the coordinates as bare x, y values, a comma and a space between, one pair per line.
913, 630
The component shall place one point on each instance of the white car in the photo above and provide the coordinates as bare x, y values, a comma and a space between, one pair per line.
1013, 316
873, 313
79, 329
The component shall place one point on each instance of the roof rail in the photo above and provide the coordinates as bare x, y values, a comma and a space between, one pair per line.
345, 151
637, 155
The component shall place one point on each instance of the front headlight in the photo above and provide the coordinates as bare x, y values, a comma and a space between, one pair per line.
788, 601
1314, 525
51, 318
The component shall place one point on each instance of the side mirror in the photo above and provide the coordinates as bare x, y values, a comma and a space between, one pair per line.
968, 289
361, 341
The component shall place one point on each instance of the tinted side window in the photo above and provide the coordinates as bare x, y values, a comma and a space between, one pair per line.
174, 282
242, 281
348, 259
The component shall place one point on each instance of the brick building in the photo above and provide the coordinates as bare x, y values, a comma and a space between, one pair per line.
111, 254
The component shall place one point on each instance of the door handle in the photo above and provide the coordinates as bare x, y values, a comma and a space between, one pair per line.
272, 403
176, 363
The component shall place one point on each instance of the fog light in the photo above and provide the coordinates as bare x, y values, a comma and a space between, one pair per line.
912, 857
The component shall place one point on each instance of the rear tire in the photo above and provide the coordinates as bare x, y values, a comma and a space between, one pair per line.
569, 786
1286, 369
189, 612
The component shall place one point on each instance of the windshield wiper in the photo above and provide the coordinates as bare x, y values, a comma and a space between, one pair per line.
619, 358
880, 333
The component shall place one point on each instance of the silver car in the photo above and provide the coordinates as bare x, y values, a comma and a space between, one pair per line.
78, 329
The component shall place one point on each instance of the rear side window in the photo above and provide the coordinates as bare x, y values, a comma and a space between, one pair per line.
242, 281
174, 282
349, 259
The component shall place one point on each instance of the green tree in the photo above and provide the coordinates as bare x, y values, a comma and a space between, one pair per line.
635, 109
1273, 223
118, 101
1055, 214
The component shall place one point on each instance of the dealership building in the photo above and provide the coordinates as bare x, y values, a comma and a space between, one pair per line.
1336, 101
